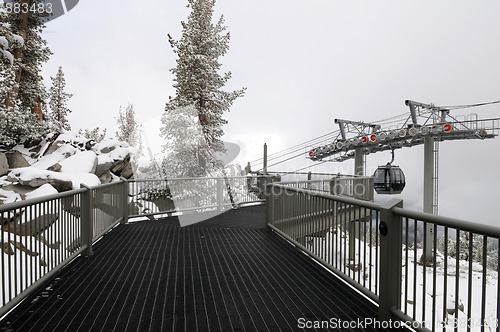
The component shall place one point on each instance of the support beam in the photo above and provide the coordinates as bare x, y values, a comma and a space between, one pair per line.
353, 226
359, 168
265, 159
428, 192
391, 251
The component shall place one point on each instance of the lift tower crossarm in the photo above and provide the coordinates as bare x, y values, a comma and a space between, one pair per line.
356, 125
418, 106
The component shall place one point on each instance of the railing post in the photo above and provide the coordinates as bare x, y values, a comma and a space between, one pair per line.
390, 259
124, 200
333, 186
370, 189
269, 192
86, 223
220, 194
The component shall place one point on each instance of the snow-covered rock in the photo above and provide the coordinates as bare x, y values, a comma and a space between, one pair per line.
16, 159
43, 190
59, 163
84, 162
34, 177
4, 164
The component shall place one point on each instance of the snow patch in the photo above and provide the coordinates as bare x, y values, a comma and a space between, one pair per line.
49, 160
43, 190
83, 162
7, 196
28, 173
3, 42
88, 179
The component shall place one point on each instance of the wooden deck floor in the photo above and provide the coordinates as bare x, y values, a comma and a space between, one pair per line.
229, 273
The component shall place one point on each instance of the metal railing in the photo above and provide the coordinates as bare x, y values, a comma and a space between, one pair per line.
379, 249
325, 226
41, 235
457, 286
171, 196
359, 187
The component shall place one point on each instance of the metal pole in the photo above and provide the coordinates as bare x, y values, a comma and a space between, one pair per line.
124, 200
391, 251
220, 195
428, 192
359, 168
265, 159
86, 220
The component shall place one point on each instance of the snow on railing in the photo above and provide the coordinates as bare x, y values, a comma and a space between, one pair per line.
379, 249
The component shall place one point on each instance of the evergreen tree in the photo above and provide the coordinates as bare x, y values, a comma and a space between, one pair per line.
186, 148
22, 93
8, 42
197, 79
97, 134
58, 101
127, 126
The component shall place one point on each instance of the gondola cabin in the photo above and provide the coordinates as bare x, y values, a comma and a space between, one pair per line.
389, 180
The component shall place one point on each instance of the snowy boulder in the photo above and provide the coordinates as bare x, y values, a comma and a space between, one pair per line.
83, 162
128, 171
65, 144
104, 164
55, 168
108, 145
35, 178
106, 177
53, 146
15, 192
48, 161
107, 149
123, 168
62, 162
8, 196
4, 164
43, 190
16, 160
88, 179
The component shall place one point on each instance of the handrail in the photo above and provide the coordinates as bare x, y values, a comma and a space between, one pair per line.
71, 222
378, 249
37, 200
45, 233
461, 224
382, 251
342, 199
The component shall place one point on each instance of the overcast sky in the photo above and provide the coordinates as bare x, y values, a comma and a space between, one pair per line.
304, 63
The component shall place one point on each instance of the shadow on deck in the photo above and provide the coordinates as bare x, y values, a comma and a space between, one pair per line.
228, 273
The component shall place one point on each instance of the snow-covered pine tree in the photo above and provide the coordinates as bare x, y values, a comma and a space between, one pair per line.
97, 134
8, 42
58, 101
470, 248
127, 126
197, 79
186, 150
22, 93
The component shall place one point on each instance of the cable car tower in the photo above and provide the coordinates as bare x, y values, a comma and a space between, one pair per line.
426, 124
